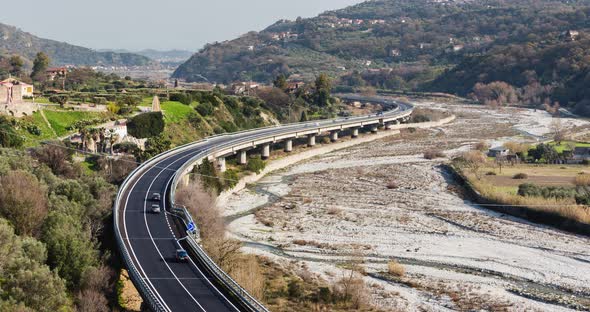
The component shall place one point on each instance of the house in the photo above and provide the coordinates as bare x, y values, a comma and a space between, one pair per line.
293, 86
499, 151
54, 72
581, 154
240, 88
570, 35
12, 91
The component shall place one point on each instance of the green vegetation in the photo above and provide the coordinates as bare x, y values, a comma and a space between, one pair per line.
54, 257
65, 122
146, 125
499, 52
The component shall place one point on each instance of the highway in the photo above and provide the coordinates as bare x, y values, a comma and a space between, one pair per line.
148, 241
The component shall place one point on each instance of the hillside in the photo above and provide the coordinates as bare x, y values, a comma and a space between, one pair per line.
416, 45
16, 41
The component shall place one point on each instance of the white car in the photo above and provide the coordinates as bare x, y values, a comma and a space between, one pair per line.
156, 208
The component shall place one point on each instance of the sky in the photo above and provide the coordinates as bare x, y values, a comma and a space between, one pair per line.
156, 24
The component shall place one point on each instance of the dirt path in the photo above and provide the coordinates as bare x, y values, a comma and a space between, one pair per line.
457, 255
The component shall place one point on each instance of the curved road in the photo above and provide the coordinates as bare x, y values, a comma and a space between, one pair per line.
150, 240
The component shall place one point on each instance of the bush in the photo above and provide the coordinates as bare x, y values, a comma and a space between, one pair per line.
433, 154
256, 165
532, 190
59, 99
392, 185
582, 180
183, 98
520, 176
146, 125
395, 268
490, 173
205, 109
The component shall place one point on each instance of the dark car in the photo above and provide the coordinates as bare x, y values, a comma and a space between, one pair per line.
181, 255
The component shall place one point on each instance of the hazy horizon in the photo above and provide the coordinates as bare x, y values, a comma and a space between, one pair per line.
138, 25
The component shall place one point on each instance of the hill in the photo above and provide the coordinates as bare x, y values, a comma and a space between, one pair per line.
16, 41
445, 46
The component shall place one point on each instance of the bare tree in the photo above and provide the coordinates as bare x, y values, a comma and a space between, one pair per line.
473, 161
558, 131
23, 201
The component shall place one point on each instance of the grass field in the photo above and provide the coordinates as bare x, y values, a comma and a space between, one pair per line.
60, 120
503, 188
565, 145
174, 112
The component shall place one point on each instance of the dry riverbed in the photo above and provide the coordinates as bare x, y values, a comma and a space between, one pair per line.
318, 214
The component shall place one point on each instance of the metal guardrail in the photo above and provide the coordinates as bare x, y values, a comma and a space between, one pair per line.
192, 238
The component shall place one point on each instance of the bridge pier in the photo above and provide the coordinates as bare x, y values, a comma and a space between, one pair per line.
311, 140
388, 126
221, 164
334, 136
265, 151
355, 133
242, 158
374, 128
288, 146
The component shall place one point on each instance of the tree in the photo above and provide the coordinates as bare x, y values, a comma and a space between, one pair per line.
70, 249
56, 156
544, 152
323, 87
303, 116
147, 125
16, 65
23, 201
8, 136
473, 161
280, 82
153, 147
558, 130
27, 283
40, 65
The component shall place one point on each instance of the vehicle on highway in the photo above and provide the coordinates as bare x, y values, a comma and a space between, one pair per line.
156, 208
156, 197
181, 255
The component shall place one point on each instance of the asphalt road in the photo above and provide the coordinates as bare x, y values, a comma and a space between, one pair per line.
151, 240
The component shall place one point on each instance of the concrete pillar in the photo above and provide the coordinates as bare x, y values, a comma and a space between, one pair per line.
334, 136
221, 164
289, 146
374, 128
397, 122
355, 132
311, 140
242, 158
265, 151
388, 126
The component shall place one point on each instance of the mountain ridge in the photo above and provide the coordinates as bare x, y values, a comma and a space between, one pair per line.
14, 41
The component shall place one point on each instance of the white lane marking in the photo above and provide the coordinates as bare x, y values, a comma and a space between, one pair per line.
131, 246
191, 260
154, 243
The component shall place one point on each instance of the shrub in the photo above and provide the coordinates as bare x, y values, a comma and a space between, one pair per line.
183, 98
205, 109
395, 268
230, 179
392, 185
520, 176
582, 180
146, 125
481, 146
433, 154
256, 165
490, 173
533, 190
295, 289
